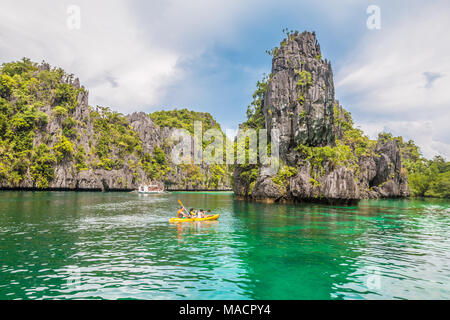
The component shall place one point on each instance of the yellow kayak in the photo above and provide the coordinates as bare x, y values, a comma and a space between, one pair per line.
208, 218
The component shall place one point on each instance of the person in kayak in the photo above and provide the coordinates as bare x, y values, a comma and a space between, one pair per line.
209, 214
181, 214
192, 213
201, 214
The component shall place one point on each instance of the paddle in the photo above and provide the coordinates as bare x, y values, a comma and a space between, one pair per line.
181, 203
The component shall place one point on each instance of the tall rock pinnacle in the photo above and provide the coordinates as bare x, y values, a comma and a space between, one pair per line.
300, 95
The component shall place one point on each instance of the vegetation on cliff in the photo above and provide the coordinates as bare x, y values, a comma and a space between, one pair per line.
46, 124
114, 139
24, 91
427, 178
255, 115
216, 174
255, 120
184, 119
351, 143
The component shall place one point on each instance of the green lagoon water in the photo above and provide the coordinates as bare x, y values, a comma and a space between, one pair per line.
121, 245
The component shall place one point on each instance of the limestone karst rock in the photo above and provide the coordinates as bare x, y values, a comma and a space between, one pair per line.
300, 96
299, 101
50, 138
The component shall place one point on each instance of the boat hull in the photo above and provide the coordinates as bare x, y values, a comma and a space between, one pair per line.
150, 192
209, 218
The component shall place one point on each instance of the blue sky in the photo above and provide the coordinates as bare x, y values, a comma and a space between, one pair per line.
207, 55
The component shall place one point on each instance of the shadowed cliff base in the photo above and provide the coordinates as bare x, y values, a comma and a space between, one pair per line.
343, 202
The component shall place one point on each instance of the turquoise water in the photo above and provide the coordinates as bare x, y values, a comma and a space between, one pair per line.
120, 245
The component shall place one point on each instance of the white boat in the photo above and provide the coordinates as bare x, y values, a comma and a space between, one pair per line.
148, 189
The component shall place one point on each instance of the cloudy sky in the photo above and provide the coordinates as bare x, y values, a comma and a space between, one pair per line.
207, 55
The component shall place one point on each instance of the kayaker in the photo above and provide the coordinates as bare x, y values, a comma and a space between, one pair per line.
201, 214
181, 214
192, 213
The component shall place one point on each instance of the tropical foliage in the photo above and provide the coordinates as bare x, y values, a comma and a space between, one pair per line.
427, 178
183, 119
255, 115
25, 88
42, 126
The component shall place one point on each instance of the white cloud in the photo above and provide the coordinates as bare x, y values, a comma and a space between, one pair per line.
107, 53
399, 78
193, 25
127, 53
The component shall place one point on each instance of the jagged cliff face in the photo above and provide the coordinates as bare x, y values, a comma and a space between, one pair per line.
50, 138
178, 177
382, 175
300, 96
323, 157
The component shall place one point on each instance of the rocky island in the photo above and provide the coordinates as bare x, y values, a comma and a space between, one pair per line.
322, 155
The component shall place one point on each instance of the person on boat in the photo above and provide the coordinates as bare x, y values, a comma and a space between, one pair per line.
201, 214
181, 214
192, 213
